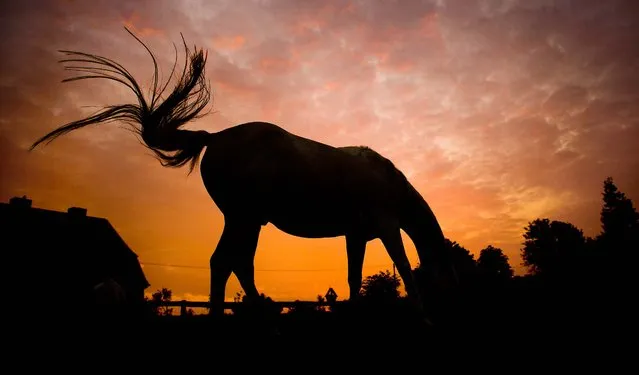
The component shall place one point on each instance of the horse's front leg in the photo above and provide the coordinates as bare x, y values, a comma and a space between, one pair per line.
355, 250
392, 241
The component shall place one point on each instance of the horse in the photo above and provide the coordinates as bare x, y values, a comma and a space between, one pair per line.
258, 173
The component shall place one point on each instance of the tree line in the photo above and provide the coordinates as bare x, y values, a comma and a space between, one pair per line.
559, 250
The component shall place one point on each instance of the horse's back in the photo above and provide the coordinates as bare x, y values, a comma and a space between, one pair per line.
266, 156
260, 168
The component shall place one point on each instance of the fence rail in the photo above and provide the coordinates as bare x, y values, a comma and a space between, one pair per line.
184, 304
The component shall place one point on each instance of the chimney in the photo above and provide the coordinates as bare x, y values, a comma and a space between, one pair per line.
20, 202
77, 212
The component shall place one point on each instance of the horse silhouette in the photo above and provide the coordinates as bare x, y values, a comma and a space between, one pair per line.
258, 173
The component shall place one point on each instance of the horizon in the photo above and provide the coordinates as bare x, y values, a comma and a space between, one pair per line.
498, 112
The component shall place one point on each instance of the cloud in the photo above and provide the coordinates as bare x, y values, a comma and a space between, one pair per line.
498, 111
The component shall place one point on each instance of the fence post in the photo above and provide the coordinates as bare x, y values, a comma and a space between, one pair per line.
183, 308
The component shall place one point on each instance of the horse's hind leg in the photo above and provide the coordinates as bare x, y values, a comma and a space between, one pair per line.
220, 266
244, 259
238, 241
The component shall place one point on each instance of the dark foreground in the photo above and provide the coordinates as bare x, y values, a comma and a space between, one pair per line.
532, 327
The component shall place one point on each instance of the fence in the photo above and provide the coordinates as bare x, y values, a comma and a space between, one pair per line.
184, 304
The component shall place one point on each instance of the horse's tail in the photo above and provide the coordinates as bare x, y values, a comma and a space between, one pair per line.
421, 225
158, 120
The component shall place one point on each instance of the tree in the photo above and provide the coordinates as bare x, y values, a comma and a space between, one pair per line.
157, 298
619, 219
381, 287
320, 303
617, 246
435, 277
463, 259
493, 263
263, 304
239, 297
552, 247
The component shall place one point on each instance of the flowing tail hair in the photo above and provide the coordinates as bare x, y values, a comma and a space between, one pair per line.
158, 120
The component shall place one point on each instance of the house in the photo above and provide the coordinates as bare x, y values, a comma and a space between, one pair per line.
67, 263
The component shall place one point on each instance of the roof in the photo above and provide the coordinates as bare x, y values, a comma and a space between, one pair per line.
77, 246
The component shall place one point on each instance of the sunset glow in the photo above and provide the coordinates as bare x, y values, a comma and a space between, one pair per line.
499, 112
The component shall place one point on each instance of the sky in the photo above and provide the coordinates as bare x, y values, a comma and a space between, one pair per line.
498, 112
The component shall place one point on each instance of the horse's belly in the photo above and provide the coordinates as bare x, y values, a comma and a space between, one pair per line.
308, 231
309, 222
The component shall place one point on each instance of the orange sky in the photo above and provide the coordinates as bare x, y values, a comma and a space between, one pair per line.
499, 112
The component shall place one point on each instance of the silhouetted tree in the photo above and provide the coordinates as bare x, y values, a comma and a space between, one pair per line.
239, 297
462, 257
463, 260
320, 301
552, 247
493, 264
619, 219
381, 287
263, 305
159, 296
434, 277
618, 243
